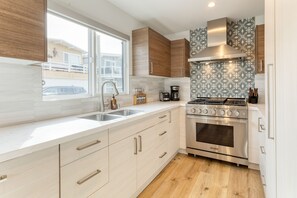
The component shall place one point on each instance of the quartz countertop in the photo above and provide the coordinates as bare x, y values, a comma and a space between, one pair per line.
19, 140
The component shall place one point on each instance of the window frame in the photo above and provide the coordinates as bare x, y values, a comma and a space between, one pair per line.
94, 88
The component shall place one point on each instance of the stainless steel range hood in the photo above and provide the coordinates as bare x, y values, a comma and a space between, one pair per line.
217, 49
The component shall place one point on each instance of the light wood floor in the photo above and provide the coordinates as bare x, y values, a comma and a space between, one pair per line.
187, 176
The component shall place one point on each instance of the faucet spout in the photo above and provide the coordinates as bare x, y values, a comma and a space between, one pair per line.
102, 92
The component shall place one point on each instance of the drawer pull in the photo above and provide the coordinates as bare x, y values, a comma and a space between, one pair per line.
164, 116
262, 150
163, 155
86, 178
87, 145
135, 143
161, 134
3, 178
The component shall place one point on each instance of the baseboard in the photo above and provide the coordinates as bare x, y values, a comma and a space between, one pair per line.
253, 166
183, 151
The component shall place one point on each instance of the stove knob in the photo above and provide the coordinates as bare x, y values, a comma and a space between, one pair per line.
213, 112
229, 113
205, 111
199, 111
222, 112
236, 113
193, 110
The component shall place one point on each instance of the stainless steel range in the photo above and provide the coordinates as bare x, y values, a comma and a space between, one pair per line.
217, 128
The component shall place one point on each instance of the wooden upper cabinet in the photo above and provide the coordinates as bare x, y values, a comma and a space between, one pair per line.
151, 53
22, 29
260, 58
180, 53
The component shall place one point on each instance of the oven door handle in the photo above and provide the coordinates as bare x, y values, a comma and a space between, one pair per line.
206, 118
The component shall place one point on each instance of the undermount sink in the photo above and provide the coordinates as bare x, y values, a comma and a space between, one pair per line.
125, 112
101, 117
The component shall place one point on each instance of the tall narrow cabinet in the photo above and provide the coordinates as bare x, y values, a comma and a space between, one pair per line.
281, 106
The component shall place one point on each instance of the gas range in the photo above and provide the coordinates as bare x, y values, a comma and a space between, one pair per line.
218, 107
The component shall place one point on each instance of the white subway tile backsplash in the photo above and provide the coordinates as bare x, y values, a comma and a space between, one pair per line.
21, 96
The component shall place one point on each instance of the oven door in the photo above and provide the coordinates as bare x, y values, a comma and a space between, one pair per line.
225, 136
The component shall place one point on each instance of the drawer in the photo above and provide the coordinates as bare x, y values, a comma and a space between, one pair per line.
162, 154
76, 149
162, 132
161, 117
85, 176
121, 132
262, 161
33, 175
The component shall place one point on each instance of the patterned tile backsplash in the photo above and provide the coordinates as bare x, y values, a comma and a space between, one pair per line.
225, 79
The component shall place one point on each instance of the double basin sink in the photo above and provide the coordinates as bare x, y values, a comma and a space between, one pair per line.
112, 115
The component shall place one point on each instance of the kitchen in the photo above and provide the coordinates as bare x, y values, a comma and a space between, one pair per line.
51, 145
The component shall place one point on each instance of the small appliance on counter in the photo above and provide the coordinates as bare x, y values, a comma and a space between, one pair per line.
174, 93
139, 96
253, 96
164, 96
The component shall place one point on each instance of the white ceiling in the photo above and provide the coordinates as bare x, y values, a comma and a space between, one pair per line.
171, 16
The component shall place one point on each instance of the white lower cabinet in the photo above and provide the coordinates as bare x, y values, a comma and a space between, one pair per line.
146, 155
174, 128
253, 128
83, 177
31, 176
135, 160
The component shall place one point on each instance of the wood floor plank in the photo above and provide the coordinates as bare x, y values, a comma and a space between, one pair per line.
200, 177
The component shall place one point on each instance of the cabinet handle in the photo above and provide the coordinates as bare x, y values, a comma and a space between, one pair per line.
135, 143
87, 145
161, 134
3, 178
86, 178
152, 67
262, 150
259, 125
262, 127
164, 116
140, 143
271, 100
165, 153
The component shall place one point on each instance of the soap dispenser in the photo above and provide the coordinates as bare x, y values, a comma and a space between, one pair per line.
113, 103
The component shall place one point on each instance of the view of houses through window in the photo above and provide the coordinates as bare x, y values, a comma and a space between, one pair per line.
68, 69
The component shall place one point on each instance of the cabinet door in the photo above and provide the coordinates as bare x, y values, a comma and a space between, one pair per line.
122, 170
31, 176
174, 130
146, 161
159, 54
22, 30
253, 137
180, 52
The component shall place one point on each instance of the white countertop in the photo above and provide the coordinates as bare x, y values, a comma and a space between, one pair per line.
259, 107
23, 139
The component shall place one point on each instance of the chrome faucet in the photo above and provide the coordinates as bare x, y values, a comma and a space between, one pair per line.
102, 92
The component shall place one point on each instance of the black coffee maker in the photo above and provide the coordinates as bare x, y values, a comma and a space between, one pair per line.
174, 93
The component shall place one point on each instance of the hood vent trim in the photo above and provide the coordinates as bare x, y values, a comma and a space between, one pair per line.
217, 49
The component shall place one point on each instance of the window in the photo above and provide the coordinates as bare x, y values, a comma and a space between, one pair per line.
69, 72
